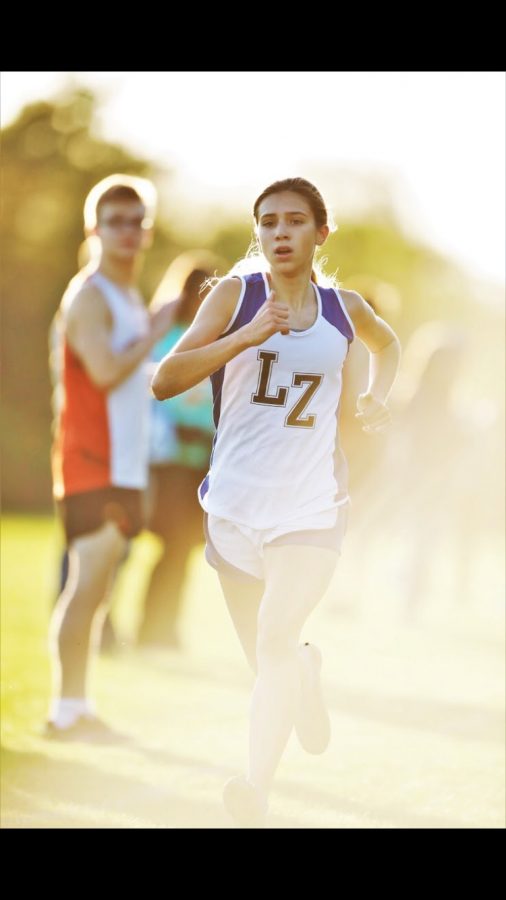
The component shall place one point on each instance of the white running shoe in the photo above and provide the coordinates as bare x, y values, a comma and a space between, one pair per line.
312, 722
244, 803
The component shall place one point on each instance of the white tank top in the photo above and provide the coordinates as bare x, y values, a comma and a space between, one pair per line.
276, 457
128, 404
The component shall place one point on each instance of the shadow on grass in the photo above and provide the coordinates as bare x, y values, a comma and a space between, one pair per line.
44, 792
372, 815
457, 720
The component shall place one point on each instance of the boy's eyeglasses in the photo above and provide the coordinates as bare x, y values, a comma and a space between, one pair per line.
117, 223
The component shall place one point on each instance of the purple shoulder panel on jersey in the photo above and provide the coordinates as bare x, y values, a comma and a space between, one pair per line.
333, 312
254, 296
204, 486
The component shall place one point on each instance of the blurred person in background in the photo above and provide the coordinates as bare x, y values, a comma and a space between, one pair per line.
436, 466
363, 452
276, 496
108, 638
181, 433
100, 448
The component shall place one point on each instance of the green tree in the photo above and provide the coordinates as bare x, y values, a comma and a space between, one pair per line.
50, 160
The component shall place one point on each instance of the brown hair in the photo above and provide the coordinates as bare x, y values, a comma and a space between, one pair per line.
187, 276
118, 192
118, 187
299, 186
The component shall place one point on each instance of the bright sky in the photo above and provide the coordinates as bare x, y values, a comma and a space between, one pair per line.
438, 136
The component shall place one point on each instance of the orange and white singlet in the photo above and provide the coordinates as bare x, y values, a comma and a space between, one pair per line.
102, 436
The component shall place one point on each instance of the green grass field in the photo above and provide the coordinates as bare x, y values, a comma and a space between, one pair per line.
417, 709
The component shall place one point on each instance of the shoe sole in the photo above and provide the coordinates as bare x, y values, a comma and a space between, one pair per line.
242, 803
